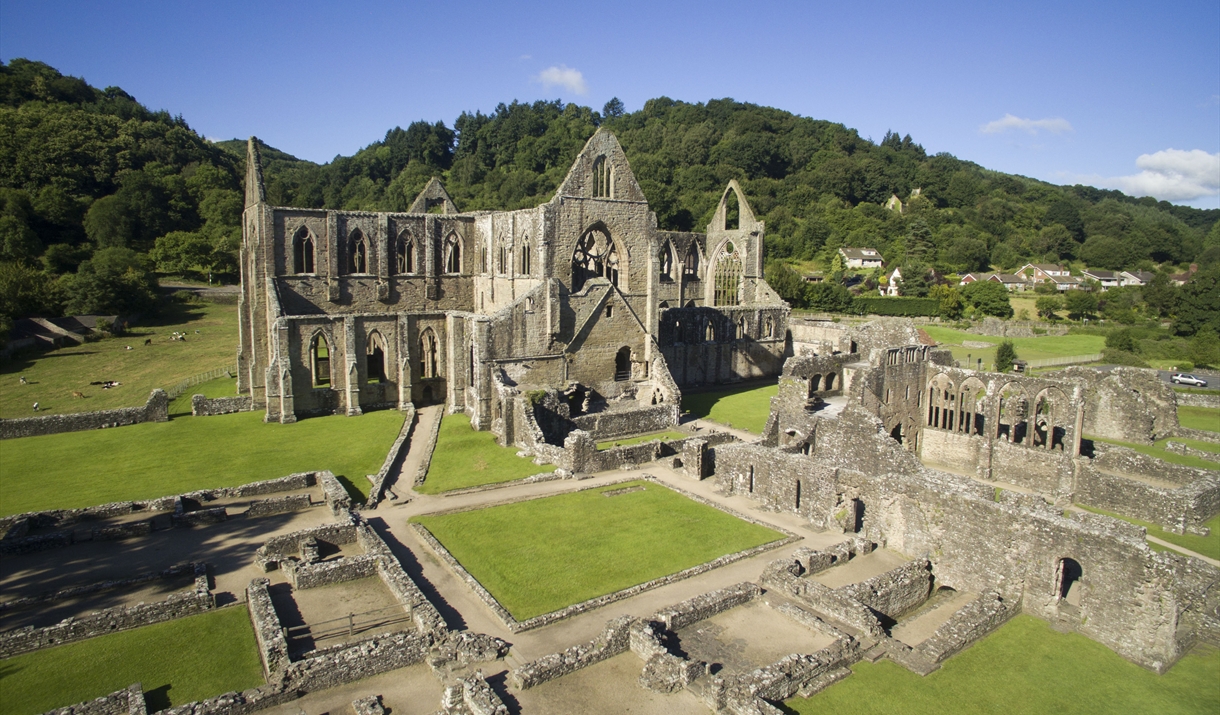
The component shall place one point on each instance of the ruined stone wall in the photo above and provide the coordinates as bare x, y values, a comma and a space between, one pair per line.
128, 701
1127, 404
205, 407
1181, 499
155, 409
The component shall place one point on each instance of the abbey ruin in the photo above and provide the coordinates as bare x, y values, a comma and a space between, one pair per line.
917, 505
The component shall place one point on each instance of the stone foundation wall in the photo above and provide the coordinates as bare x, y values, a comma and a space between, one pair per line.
203, 406
1099, 483
706, 605
155, 409
279, 549
129, 701
279, 505
613, 639
268, 631
304, 575
896, 591
119, 618
1195, 400
621, 423
394, 457
973, 621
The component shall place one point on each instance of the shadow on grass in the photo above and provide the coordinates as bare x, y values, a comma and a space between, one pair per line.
158, 698
416, 571
700, 404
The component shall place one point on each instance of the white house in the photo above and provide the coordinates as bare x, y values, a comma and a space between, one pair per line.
861, 257
1136, 278
891, 288
1107, 279
1041, 272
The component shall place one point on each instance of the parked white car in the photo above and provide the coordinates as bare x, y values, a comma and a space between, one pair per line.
1181, 378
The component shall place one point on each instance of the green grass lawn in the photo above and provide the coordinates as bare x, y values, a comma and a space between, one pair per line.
1039, 348
1204, 418
745, 408
666, 436
1158, 450
545, 554
78, 469
220, 387
177, 662
467, 458
1025, 667
54, 375
1207, 545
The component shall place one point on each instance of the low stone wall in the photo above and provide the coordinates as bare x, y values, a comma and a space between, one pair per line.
333, 492
174, 571
1188, 451
401, 586
784, 576
279, 505
1199, 434
119, 618
896, 591
394, 457
200, 517
427, 447
594, 460
706, 605
128, 701
472, 696
973, 621
204, 406
613, 639
621, 423
746, 694
155, 409
279, 549
1180, 509
1189, 399
268, 631
304, 575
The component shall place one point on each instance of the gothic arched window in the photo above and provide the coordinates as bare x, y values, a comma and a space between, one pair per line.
690, 265
303, 251
453, 254
595, 256
603, 180
357, 253
406, 254
728, 277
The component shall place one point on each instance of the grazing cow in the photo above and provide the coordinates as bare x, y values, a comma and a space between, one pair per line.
23, 380
130, 348
35, 406
148, 341
78, 394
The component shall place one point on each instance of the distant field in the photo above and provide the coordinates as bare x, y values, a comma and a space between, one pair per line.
745, 408
541, 555
1025, 668
1039, 348
78, 469
468, 458
54, 375
1204, 418
177, 662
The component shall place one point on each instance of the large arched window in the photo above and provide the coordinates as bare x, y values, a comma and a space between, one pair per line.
525, 256
603, 180
595, 256
427, 354
665, 264
405, 265
303, 251
690, 265
319, 358
357, 253
453, 254
502, 257
374, 357
728, 276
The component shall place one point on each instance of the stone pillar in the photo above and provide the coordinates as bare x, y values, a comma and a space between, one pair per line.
578, 451
352, 372
694, 452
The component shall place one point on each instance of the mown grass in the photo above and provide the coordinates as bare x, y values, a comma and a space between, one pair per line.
177, 662
745, 408
1207, 545
1026, 668
1158, 450
545, 554
220, 387
1204, 418
78, 469
666, 436
467, 458
54, 375
1039, 348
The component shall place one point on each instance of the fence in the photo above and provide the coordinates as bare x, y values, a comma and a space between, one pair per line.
176, 391
347, 625
1069, 360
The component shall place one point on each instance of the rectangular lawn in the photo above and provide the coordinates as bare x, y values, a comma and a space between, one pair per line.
465, 457
745, 408
545, 554
1204, 418
1025, 667
144, 461
177, 662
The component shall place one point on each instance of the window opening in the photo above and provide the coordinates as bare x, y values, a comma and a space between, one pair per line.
375, 358
427, 354
502, 263
1070, 573
357, 253
525, 258
709, 333
609, 311
728, 276
602, 179
303, 251
453, 259
690, 264
320, 357
732, 211
665, 261
595, 257
406, 254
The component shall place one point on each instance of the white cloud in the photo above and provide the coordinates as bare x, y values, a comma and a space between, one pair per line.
563, 76
1172, 175
1054, 125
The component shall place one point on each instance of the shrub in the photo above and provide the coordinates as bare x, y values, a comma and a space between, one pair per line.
1115, 356
1005, 354
906, 307
1122, 340
988, 298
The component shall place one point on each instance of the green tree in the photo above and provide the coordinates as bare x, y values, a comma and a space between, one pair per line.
613, 109
829, 297
1198, 304
182, 252
950, 298
1123, 340
114, 280
1005, 355
786, 282
913, 281
25, 291
1080, 304
1047, 305
1205, 348
988, 298
1160, 295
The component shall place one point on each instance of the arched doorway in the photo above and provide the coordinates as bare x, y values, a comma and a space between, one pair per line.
622, 364
1069, 588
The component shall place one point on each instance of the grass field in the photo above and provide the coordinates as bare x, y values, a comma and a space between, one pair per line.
177, 662
54, 375
545, 554
220, 387
1204, 418
1026, 668
1207, 545
745, 408
77, 469
466, 458
1039, 348
661, 436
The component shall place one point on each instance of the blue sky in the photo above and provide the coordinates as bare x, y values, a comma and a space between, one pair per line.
1118, 94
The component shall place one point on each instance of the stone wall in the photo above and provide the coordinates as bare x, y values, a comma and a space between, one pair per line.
303, 575
203, 406
968, 625
128, 701
393, 458
268, 631
155, 409
1181, 502
119, 618
896, 591
1190, 399
613, 640
279, 505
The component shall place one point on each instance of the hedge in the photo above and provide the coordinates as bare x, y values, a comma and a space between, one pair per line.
884, 305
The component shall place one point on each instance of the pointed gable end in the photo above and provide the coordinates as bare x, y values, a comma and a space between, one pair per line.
738, 217
433, 195
601, 171
255, 193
